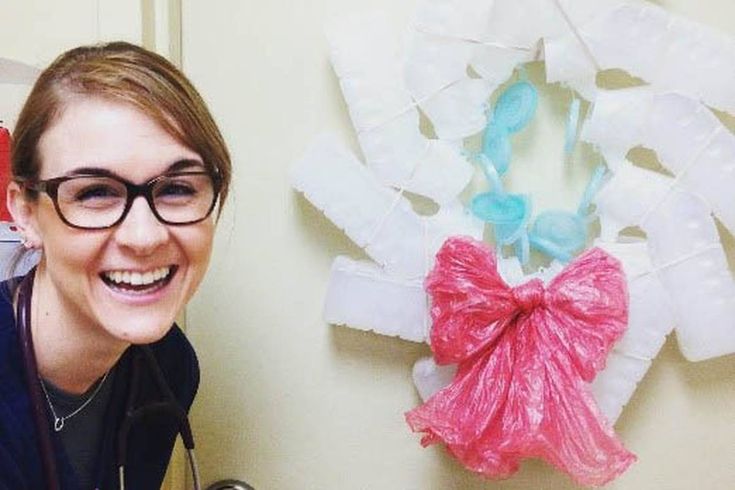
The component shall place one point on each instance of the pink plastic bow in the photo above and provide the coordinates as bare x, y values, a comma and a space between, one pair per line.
525, 357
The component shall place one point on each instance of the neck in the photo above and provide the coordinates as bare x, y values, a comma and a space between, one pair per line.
72, 352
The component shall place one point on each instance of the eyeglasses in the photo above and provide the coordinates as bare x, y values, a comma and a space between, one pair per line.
97, 202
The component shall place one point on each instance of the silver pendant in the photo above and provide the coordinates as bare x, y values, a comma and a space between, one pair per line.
58, 423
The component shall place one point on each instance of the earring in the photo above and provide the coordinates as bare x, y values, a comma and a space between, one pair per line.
26, 242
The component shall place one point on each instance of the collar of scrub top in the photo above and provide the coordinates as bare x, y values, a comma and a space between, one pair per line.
559, 234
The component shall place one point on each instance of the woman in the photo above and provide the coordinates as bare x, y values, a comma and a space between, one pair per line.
117, 167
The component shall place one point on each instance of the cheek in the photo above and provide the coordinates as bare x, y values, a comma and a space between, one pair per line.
68, 248
73, 257
197, 246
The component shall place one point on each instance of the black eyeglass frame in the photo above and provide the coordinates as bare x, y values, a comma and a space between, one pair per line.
51, 188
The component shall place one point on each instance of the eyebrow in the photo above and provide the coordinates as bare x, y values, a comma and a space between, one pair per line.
177, 166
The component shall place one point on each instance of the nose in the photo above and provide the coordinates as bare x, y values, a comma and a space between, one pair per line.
140, 231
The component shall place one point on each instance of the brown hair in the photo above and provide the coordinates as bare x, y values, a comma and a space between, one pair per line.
124, 72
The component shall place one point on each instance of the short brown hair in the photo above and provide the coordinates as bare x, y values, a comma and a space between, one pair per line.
124, 72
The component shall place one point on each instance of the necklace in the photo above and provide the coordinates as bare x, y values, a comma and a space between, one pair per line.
59, 421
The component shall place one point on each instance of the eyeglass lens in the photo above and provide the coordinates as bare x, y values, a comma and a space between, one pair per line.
98, 202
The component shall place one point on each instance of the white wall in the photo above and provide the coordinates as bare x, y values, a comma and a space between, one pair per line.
36, 31
288, 402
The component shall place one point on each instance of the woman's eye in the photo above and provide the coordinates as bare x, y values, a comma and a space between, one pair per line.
176, 189
97, 192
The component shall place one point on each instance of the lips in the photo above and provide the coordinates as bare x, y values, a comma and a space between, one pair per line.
139, 281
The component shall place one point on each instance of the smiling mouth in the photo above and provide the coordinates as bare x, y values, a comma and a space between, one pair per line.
135, 281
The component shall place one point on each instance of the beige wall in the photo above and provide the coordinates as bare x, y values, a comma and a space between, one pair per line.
288, 402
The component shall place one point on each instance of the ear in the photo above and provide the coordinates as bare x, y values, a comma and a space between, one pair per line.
24, 213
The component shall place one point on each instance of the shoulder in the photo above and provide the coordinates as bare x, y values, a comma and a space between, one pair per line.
9, 346
7, 317
179, 363
18, 461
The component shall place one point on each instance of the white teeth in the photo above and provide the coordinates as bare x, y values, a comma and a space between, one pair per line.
138, 278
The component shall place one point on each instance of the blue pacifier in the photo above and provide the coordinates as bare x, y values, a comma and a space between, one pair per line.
560, 234
556, 233
513, 111
516, 106
508, 213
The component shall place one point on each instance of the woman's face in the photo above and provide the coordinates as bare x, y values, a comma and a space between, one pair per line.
92, 271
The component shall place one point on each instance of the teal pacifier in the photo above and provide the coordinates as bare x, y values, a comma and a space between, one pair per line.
557, 233
513, 111
516, 106
507, 213
496, 147
560, 234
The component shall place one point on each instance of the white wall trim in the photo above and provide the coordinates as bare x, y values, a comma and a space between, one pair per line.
161, 23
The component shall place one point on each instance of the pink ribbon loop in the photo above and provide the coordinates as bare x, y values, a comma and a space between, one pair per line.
525, 357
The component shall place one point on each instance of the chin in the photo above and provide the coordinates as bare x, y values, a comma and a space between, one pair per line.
141, 333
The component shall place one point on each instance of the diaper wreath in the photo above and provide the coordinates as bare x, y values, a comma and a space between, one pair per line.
540, 364
525, 355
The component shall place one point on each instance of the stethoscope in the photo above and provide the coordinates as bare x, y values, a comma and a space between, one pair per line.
167, 406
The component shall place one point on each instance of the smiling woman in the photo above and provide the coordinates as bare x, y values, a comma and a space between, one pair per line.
92, 345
